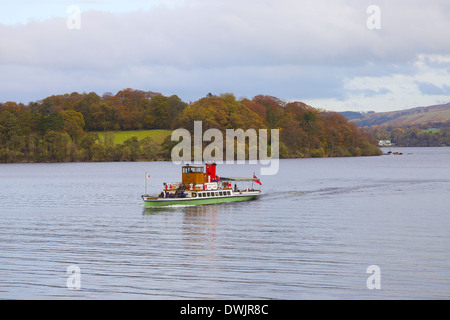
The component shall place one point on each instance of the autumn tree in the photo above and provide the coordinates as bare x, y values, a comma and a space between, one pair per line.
54, 122
273, 107
64, 127
73, 123
150, 149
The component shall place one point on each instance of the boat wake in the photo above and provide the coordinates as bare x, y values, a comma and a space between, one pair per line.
321, 192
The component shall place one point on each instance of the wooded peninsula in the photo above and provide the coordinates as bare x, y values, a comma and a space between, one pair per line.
79, 127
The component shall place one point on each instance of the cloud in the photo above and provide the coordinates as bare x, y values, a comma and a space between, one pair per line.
432, 89
369, 92
230, 33
290, 49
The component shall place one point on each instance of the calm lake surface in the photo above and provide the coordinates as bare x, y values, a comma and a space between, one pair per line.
312, 235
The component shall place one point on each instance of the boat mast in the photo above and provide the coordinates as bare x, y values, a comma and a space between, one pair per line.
145, 183
253, 180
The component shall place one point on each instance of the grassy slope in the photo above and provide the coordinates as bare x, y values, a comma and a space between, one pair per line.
432, 115
413, 116
120, 136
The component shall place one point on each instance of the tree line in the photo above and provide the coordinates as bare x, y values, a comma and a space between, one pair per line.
432, 134
62, 128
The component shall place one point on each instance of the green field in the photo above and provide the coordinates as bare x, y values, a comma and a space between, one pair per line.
120, 136
431, 131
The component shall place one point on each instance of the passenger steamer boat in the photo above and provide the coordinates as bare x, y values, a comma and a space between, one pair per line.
199, 188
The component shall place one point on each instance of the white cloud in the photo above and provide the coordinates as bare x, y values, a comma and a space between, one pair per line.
425, 84
310, 50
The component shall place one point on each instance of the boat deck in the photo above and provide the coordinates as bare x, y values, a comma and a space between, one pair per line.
202, 198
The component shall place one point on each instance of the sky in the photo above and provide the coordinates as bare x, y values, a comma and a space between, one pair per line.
337, 55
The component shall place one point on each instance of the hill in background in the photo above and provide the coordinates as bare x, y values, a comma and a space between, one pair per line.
415, 116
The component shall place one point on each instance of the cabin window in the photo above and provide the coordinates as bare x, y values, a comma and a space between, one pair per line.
220, 193
194, 195
199, 170
208, 194
229, 193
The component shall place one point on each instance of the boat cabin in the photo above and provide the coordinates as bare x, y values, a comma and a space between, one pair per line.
192, 174
196, 175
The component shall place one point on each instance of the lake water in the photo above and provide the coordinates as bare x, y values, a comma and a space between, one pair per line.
312, 235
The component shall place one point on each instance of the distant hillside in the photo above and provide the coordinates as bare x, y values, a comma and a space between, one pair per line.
415, 116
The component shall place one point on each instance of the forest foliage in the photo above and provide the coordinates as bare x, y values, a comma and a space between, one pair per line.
432, 134
62, 128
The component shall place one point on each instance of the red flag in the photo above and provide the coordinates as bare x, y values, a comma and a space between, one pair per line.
257, 180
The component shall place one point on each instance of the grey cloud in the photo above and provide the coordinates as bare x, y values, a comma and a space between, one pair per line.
285, 48
234, 33
432, 89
